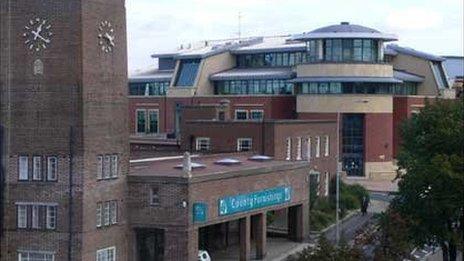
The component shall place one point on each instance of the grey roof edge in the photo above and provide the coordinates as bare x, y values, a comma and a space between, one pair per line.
347, 79
416, 53
270, 49
345, 35
249, 74
163, 55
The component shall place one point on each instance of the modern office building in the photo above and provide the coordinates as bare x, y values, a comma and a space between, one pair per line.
65, 155
346, 73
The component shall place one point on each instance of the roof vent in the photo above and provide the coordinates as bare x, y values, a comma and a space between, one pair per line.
228, 162
260, 158
344, 23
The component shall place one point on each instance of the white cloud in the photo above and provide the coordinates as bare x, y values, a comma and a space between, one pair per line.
416, 18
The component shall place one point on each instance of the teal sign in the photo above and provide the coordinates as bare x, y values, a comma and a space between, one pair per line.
255, 200
200, 212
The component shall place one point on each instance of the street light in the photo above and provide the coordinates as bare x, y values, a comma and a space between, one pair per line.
339, 169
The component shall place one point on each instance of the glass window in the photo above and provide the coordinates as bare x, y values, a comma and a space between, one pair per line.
367, 50
439, 75
35, 256
154, 197
326, 146
106, 213
241, 114
256, 114
99, 167
268, 59
323, 87
313, 87
285, 59
113, 212
337, 50
114, 166
288, 145
37, 168
153, 121
22, 216
52, 168
187, 73
141, 121
308, 149
299, 148
357, 50
51, 217
244, 144
99, 214
23, 167
335, 87
35, 217
107, 167
202, 144
347, 49
107, 254
318, 146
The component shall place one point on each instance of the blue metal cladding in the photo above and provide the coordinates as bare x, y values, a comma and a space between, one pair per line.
200, 212
188, 71
255, 200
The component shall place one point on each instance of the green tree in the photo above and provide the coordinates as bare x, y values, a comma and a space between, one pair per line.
325, 251
393, 237
431, 176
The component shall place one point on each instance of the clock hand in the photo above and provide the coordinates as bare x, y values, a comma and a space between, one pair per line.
110, 39
37, 35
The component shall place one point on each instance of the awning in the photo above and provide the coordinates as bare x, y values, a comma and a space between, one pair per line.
253, 74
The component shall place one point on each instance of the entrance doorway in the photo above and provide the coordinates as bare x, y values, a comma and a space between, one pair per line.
150, 244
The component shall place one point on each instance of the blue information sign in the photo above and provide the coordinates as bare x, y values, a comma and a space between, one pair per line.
255, 200
200, 212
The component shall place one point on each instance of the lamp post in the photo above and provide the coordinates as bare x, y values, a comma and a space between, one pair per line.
337, 197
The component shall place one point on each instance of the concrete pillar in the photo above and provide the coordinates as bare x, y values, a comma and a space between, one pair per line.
245, 244
259, 232
296, 226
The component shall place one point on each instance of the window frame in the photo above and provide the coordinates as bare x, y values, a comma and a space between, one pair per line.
137, 121
318, 147
21, 221
114, 166
308, 149
299, 148
52, 174
23, 174
29, 252
51, 221
240, 146
288, 147
105, 252
198, 143
326, 146
37, 168
154, 197
256, 111
241, 111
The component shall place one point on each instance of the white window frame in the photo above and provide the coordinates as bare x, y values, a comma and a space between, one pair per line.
254, 111
23, 168
99, 167
288, 146
326, 145
199, 141
107, 167
113, 212
318, 146
106, 213
137, 119
23, 255
114, 167
35, 216
147, 121
104, 254
241, 110
21, 216
52, 168
99, 215
327, 181
299, 148
51, 217
37, 168
239, 144
308, 149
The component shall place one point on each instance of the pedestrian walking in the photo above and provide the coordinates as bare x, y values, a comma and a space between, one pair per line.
364, 205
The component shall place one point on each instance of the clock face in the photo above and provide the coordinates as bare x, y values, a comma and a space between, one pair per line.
106, 36
37, 34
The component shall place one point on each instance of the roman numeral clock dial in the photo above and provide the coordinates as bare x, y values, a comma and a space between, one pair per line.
106, 36
37, 34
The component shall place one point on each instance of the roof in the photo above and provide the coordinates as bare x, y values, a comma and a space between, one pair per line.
272, 44
409, 51
345, 30
254, 73
155, 76
454, 66
347, 79
407, 76
167, 167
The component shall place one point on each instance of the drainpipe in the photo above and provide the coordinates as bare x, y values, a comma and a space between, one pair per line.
70, 204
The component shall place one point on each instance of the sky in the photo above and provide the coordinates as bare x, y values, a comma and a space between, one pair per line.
155, 26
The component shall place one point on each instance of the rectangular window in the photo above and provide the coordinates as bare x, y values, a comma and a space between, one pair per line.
99, 214
299, 148
256, 114
308, 148
99, 167
288, 144
106, 213
35, 256
52, 168
23, 167
153, 118
113, 212
318, 146
326, 182
244, 144
114, 166
187, 72
51, 217
202, 144
35, 216
141, 121
22, 216
107, 254
154, 197
326, 145
241, 114
107, 167
37, 168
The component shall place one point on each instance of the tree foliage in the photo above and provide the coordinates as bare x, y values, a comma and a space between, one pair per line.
431, 174
325, 251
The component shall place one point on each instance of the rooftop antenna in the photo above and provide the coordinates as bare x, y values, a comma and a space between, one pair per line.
239, 25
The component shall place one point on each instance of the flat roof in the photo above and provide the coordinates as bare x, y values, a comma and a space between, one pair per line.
166, 167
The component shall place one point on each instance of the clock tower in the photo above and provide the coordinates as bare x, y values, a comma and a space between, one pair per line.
64, 130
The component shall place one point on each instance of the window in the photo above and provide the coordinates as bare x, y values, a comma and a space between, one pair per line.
141, 121
154, 197
36, 215
314, 182
51, 217
153, 116
308, 148
289, 149
241, 114
202, 144
148, 88
22, 216
256, 114
318, 146
253, 87
37, 168
35, 256
107, 167
23, 168
326, 145
106, 254
327, 181
114, 166
99, 167
439, 75
299, 148
107, 213
52, 168
187, 72
244, 144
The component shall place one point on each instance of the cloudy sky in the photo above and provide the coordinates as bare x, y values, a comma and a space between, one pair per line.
162, 25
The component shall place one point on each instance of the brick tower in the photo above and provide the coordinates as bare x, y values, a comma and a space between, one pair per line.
64, 130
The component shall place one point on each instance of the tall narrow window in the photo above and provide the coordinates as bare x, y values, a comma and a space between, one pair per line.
289, 149
107, 167
99, 214
37, 168
51, 217
187, 72
35, 216
52, 168
326, 145
114, 166
99, 167
23, 168
113, 212
327, 181
308, 149
154, 197
318, 146
141, 121
299, 148
22, 216
153, 119
106, 213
